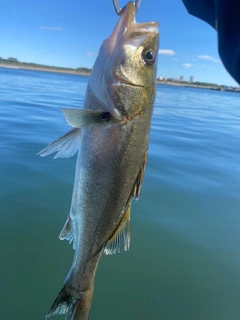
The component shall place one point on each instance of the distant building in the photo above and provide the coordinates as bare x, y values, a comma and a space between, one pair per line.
191, 79
12, 59
181, 78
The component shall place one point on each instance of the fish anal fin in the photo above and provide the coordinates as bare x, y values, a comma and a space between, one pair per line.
138, 183
66, 146
120, 240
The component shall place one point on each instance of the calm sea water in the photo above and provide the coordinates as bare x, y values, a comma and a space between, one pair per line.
184, 262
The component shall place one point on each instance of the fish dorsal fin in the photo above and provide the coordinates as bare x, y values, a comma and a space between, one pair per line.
121, 237
66, 146
138, 183
66, 233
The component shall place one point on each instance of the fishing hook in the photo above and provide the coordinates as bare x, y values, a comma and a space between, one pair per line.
118, 9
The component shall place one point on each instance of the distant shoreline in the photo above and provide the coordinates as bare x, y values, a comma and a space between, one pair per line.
19, 66
178, 84
23, 66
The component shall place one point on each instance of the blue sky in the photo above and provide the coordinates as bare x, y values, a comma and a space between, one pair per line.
69, 34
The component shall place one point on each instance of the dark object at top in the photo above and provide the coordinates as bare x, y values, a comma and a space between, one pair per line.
224, 16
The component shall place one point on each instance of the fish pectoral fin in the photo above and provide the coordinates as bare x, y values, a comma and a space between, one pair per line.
66, 146
66, 233
79, 118
120, 240
138, 183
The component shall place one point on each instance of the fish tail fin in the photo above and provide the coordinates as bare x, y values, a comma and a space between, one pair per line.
74, 307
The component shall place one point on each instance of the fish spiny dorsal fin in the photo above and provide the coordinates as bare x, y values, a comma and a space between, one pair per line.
138, 183
121, 237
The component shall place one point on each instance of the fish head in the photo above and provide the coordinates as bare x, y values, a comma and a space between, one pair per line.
124, 75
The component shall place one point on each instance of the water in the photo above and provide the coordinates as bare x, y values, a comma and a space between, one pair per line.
184, 262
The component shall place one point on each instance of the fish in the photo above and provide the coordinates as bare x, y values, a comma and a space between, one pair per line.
111, 136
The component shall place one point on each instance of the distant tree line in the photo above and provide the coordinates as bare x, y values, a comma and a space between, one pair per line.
36, 65
208, 84
84, 70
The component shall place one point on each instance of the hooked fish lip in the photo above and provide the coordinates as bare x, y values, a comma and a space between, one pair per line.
127, 29
127, 17
148, 27
128, 13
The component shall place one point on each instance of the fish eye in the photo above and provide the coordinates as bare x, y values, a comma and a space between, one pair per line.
148, 56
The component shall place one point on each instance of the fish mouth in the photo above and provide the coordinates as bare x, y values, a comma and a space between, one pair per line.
127, 33
110, 72
127, 29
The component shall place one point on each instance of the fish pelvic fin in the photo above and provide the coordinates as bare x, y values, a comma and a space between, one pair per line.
120, 240
74, 307
66, 233
68, 144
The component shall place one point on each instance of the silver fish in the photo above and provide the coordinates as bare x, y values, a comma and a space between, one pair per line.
111, 135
